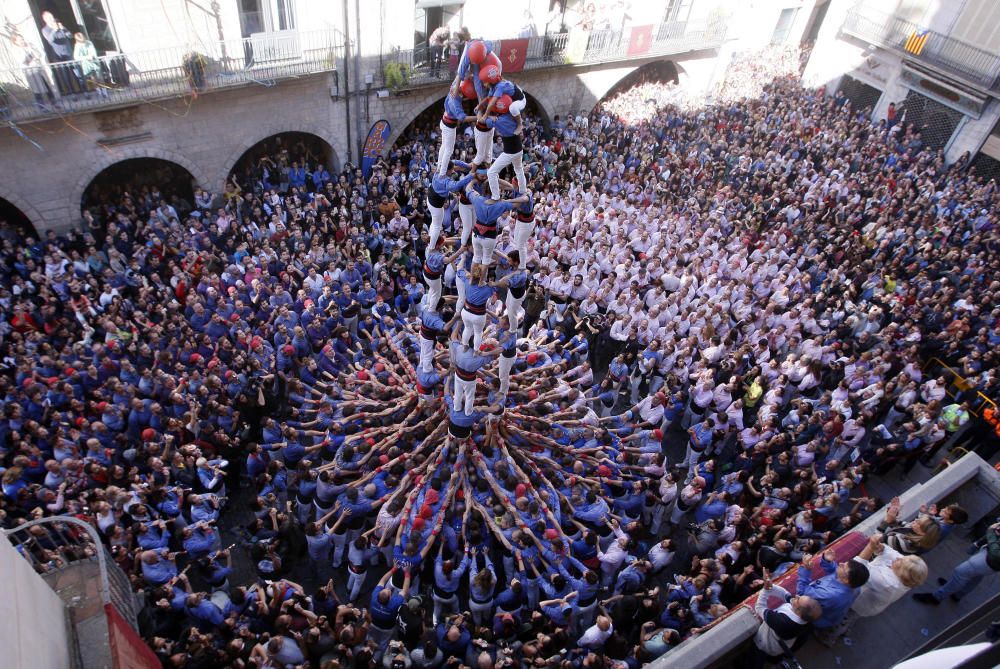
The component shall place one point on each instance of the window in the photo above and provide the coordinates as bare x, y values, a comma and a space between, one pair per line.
784, 25
266, 16
677, 10
89, 17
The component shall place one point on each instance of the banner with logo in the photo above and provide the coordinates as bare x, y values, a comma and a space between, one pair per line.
374, 145
640, 41
513, 53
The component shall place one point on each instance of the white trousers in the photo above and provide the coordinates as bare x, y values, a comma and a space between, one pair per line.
505, 159
426, 354
514, 310
433, 293
468, 215
482, 249
460, 289
522, 233
473, 330
484, 146
437, 224
505, 366
448, 136
465, 395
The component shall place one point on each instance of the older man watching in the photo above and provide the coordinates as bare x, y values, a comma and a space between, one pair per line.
835, 592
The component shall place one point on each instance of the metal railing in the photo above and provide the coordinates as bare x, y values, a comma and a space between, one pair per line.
958, 384
120, 79
976, 66
575, 49
58, 543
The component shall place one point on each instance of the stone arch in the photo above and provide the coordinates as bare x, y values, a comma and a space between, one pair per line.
26, 209
267, 133
109, 158
662, 69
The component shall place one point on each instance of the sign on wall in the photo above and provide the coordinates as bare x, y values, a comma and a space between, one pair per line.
373, 145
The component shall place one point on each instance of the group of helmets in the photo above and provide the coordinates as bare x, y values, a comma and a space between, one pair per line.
490, 73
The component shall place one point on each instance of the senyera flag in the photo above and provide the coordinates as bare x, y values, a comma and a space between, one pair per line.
640, 40
374, 144
513, 53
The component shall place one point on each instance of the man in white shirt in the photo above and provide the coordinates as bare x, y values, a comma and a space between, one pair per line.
597, 634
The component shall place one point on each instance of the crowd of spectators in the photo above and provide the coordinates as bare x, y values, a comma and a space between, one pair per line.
759, 281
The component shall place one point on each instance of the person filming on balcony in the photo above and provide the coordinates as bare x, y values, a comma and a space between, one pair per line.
436, 42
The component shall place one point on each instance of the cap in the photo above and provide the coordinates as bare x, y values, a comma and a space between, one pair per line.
149, 434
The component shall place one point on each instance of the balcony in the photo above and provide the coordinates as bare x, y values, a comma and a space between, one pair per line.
145, 76
559, 49
976, 66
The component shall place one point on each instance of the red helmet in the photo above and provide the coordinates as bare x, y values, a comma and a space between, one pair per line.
477, 52
468, 89
491, 70
490, 74
502, 105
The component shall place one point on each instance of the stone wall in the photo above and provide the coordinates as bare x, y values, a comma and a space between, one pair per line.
207, 135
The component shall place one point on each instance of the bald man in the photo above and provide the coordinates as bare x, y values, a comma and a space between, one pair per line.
786, 623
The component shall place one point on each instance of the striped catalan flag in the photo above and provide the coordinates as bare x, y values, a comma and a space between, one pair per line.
916, 41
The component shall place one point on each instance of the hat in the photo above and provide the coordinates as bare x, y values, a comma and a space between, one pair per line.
149, 434
418, 523
604, 471
551, 533
213, 363
69, 371
532, 394
379, 367
288, 349
362, 375
426, 511
102, 406
520, 490
234, 316
195, 358
532, 358
658, 434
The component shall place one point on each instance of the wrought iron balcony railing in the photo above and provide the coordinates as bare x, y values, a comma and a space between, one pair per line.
952, 56
576, 49
42, 91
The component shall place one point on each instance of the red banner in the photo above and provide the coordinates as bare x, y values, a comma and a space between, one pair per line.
513, 53
641, 40
128, 650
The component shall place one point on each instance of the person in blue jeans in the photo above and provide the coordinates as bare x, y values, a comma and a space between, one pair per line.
968, 575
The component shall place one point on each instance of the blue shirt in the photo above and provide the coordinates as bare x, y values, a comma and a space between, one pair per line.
453, 107
384, 615
835, 597
487, 211
443, 186
505, 124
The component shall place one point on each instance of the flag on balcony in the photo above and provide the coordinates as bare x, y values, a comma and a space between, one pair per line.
513, 53
576, 45
641, 40
915, 42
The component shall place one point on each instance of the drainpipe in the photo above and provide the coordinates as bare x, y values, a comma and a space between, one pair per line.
347, 84
357, 73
